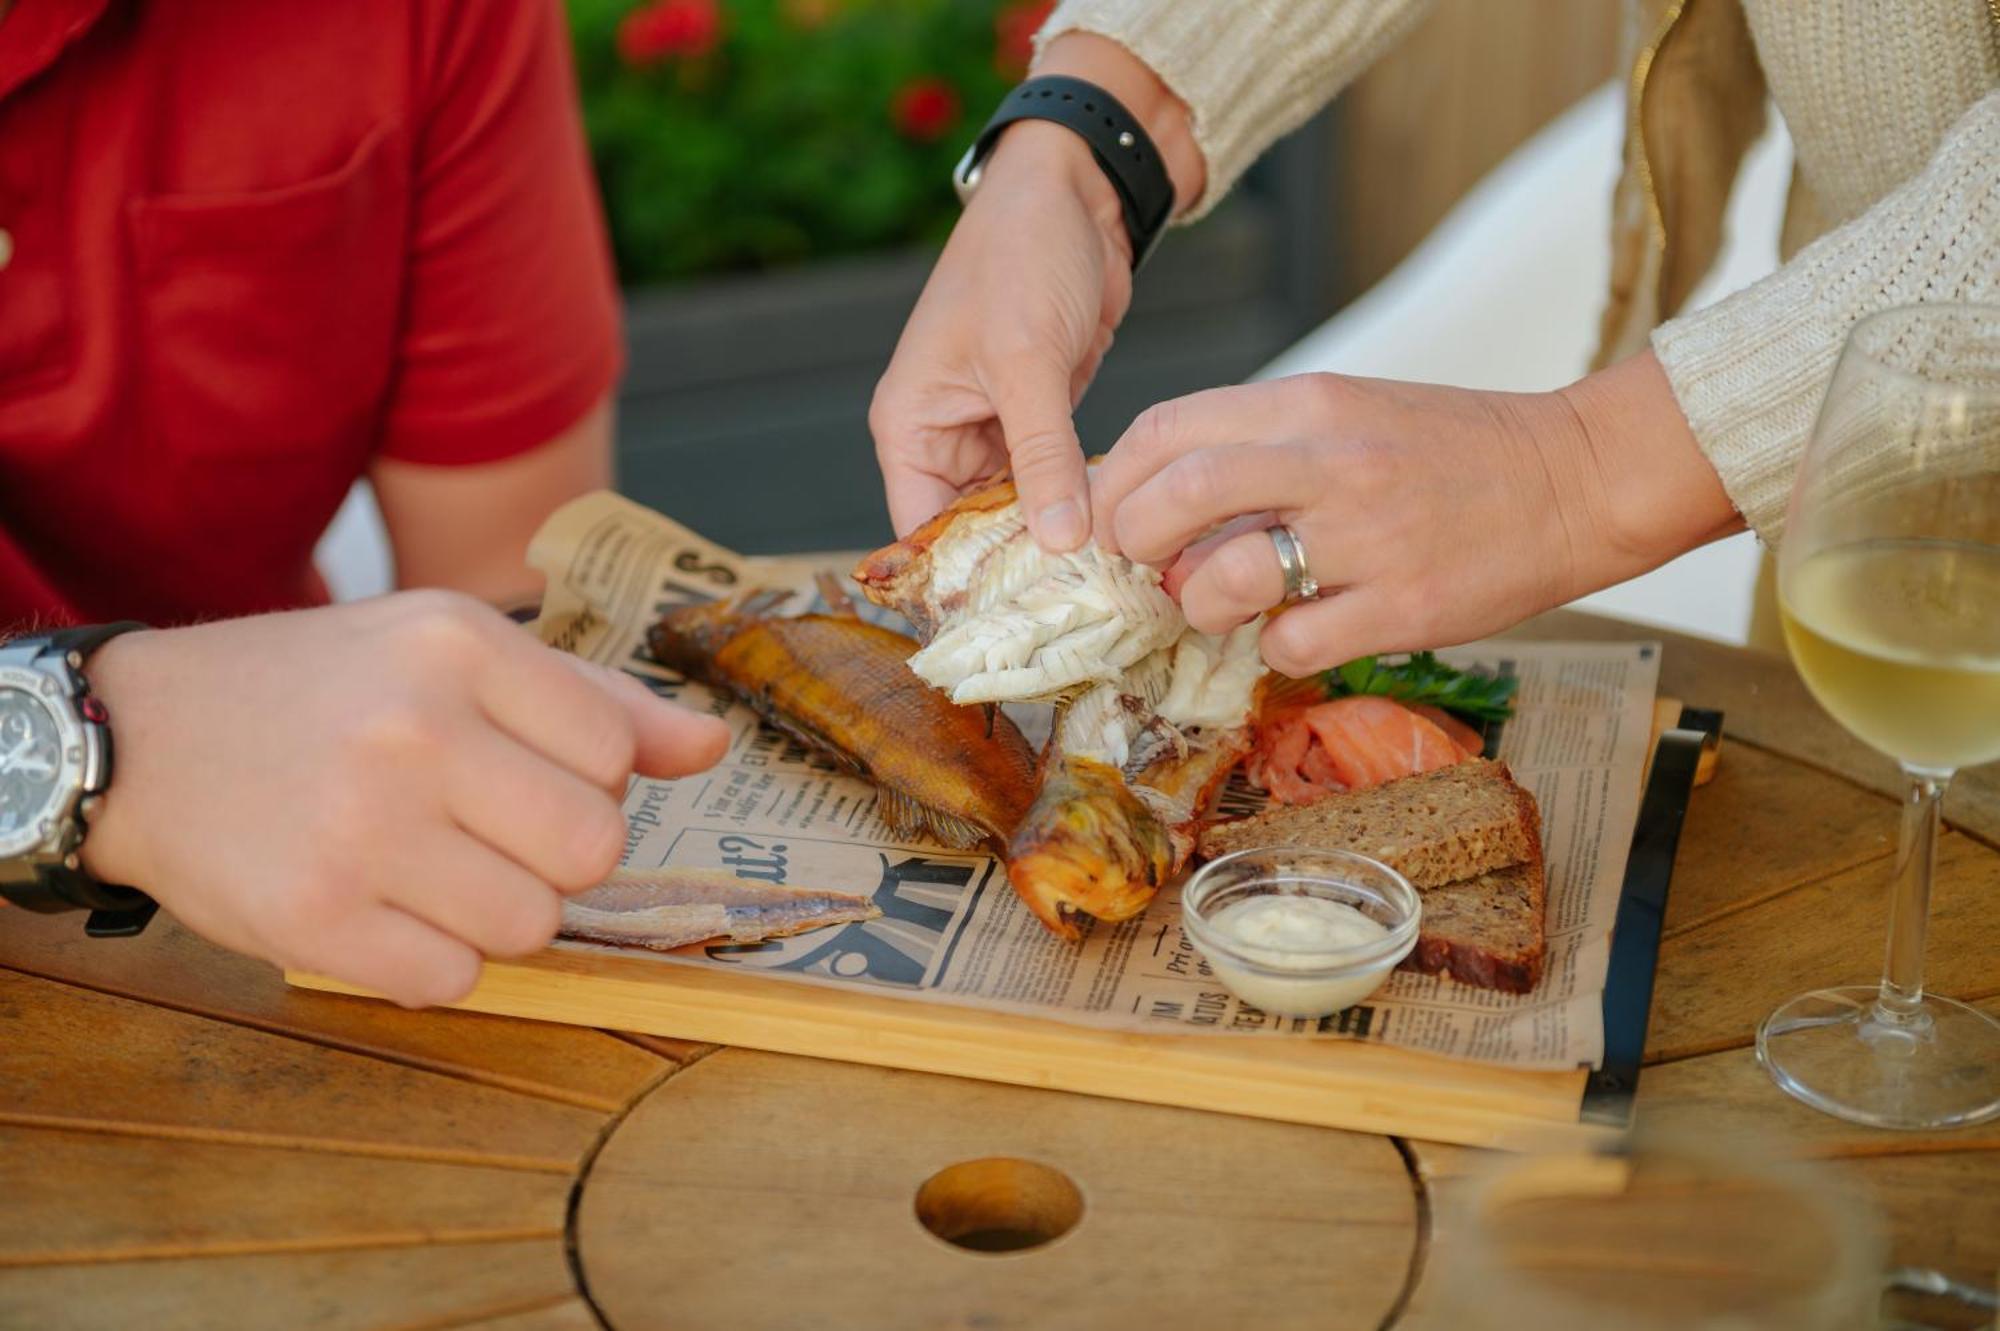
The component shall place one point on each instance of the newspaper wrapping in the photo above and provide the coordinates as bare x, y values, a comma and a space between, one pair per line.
951, 928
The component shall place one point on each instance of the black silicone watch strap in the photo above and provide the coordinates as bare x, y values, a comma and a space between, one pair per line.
55, 888
1124, 151
88, 638
51, 888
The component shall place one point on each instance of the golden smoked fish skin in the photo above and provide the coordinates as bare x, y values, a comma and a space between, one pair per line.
1088, 846
960, 774
673, 907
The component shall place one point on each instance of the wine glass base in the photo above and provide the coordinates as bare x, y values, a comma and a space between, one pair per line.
1938, 1068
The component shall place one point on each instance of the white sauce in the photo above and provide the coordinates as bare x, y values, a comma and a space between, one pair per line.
1283, 932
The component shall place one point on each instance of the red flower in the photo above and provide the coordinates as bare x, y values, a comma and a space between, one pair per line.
925, 109
664, 29
1014, 30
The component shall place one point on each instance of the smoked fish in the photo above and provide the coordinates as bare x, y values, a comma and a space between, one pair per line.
1151, 715
841, 686
674, 907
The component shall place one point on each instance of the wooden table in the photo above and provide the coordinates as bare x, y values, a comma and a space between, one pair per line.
185, 1143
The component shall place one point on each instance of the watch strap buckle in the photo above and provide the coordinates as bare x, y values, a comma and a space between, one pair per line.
124, 922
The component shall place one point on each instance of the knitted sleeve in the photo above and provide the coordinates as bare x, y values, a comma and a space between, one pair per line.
1749, 372
1250, 71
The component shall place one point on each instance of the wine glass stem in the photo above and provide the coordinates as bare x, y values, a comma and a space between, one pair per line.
1902, 997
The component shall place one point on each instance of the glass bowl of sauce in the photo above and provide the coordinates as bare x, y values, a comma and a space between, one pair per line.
1300, 932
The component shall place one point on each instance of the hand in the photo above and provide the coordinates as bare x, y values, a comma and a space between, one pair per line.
1008, 333
1020, 311
1429, 515
378, 792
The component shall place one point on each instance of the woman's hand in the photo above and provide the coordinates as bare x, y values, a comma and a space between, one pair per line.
1429, 515
1008, 333
1020, 310
378, 792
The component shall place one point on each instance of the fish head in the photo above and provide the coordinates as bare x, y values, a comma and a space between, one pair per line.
688, 638
898, 576
1088, 846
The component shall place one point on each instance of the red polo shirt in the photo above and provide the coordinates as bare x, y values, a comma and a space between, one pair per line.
249, 246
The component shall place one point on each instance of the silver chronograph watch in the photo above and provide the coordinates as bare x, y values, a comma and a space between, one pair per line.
55, 764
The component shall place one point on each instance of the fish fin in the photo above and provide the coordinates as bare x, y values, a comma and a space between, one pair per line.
909, 816
759, 602
810, 738
838, 602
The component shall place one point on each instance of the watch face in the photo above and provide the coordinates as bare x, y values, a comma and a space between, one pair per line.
30, 766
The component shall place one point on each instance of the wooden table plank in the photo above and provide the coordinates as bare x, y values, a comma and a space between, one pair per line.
1765, 702
1941, 1211
100, 1197
811, 1171
171, 966
1730, 1092
569, 1315
76, 1056
445, 1284
1764, 826
680, 1052
1439, 1170
1718, 981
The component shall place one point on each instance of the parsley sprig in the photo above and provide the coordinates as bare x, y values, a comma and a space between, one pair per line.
1422, 678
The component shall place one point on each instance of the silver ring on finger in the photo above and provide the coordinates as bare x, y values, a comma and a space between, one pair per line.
1300, 585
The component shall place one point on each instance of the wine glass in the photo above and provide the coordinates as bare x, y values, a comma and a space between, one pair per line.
1889, 589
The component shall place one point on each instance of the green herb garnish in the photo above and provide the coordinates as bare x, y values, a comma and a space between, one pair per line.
1422, 678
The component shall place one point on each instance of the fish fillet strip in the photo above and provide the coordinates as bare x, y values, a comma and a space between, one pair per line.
674, 907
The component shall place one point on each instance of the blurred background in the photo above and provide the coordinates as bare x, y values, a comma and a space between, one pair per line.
776, 179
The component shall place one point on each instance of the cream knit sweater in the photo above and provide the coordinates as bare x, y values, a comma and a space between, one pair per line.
1894, 116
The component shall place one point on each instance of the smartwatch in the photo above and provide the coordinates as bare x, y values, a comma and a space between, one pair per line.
55, 764
1123, 150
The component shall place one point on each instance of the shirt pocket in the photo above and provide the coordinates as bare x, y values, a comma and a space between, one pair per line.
268, 320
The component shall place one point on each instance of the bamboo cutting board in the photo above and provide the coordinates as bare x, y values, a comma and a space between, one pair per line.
1325, 1083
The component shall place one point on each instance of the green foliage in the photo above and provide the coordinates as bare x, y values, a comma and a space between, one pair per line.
1422, 678
778, 139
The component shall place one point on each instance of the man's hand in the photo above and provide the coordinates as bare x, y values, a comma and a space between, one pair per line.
1020, 312
378, 792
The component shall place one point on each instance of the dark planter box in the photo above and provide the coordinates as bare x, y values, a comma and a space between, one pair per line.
744, 413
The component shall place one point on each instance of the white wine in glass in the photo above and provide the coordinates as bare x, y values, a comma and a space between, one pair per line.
1889, 587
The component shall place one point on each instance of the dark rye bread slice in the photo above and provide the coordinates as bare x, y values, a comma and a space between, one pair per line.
1487, 931
1434, 828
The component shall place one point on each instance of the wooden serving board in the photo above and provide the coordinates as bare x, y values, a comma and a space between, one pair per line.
1326, 1083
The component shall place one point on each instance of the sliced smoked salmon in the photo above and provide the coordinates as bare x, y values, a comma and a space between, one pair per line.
1304, 754
1461, 734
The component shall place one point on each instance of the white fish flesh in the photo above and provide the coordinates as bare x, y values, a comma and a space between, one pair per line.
1214, 678
1076, 619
